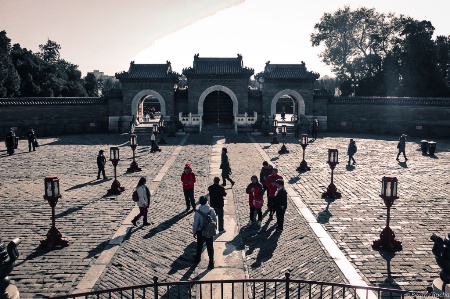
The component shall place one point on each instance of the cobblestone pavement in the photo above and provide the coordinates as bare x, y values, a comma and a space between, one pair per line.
88, 217
356, 219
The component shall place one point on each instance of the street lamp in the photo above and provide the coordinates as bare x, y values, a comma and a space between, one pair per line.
389, 195
354, 85
114, 158
304, 143
161, 131
52, 194
283, 149
133, 144
275, 131
333, 160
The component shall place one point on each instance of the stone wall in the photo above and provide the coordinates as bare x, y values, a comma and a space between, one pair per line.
54, 116
419, 117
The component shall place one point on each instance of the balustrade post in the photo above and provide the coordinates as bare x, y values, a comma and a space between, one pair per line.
287, 274
155, 287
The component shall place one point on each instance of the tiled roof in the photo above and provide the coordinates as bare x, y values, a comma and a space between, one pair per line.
51, 101
148, 71
287, 71
113, 93
218, 66
391, 101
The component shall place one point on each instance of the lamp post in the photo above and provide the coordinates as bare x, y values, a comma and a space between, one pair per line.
133, 144
354, 85
114, 158
333, 160
161, 130
304, 143
275, 131
52, 194
283, 149
389, 195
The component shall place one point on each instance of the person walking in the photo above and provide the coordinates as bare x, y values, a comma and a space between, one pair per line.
226, 168
31, 140
216, 201
255, 193
351, 151
402, 147
315, 128
143, 203
101, 162
297, 129
10, 141
280, 204
199, 222
271, 185
188, 180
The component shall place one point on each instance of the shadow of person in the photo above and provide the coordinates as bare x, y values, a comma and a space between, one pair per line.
91, 183
403, 164
164, 225
349, 167
185, 260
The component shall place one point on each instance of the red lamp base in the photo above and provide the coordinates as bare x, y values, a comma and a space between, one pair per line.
387, 240
115, 188
303, 166
283, 150
134, 167
332, 192
54, 239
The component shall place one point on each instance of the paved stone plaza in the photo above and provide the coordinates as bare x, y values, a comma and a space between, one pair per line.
106, 251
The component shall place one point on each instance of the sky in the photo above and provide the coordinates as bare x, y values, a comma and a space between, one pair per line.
106, 35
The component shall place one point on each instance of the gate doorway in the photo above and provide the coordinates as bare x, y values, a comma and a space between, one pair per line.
218, 108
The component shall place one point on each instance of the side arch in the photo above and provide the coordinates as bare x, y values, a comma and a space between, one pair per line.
226, 90
298, 98
140, 95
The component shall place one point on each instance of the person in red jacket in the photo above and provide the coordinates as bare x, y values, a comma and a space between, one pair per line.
188, 179
255, 193
271, 184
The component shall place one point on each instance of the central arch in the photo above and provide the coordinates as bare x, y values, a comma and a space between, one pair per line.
292, 93
226, 90
141, 95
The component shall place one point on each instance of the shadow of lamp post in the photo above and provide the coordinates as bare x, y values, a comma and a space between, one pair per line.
133, 144
52, 194
304, 143
8, 257
275, 132
389, 195
114, 158
283, 149
333, 160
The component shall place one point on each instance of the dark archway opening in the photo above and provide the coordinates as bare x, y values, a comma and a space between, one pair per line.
218, 108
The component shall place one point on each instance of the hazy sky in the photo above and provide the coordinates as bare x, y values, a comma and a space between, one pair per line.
106, 35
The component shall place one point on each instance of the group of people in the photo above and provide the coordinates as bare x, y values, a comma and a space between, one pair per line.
11, 141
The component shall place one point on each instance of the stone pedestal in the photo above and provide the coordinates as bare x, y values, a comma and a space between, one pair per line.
440, 290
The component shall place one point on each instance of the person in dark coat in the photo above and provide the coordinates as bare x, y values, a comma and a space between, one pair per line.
216, 201
280, 204
351, 151
188, 180
10, 141
315, 128
101, 162
402, 147
226, 168
266, 170
255, 193
31, 139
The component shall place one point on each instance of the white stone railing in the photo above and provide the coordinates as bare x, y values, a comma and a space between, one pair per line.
245, 120
192, 120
